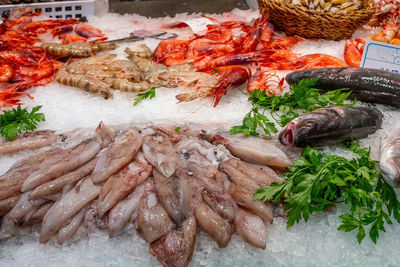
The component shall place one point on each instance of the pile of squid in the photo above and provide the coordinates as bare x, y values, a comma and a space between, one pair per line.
155, 179
23, 63
228, 46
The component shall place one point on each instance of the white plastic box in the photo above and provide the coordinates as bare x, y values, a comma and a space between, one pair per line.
59, 10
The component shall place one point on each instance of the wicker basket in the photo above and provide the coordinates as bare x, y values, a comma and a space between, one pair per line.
298, 20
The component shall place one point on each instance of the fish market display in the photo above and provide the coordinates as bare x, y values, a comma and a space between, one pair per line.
161, 182
164, 184
331, 126
389, 162
368, 85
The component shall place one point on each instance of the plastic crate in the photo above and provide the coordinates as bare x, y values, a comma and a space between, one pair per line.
59, 10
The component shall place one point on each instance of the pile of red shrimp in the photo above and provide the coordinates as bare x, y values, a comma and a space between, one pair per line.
24, 64
227, 47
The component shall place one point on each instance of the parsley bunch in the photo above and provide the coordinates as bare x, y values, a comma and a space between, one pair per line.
16, 121
316, 181
301, 98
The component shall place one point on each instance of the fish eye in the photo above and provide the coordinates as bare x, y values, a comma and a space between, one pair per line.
310, 123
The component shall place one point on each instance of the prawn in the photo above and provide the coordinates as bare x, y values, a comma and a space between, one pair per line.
77, 49
265, 79
231, 76
353, 50
80, 66
11, 94
285, 43
318, 61
168, 48
87, 31
85, 82
127, 86
6, 72
233, 59
201, 84
141, 50
251, 41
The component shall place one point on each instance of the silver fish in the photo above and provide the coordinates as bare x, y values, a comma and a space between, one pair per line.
389, 162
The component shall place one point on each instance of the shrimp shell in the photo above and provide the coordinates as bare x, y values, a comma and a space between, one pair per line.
80, 66
84, 82
77, 49
145, 65
127, 86
141, 50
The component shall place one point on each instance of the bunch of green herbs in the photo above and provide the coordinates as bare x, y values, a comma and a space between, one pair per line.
301, 98
317, 181
16, 121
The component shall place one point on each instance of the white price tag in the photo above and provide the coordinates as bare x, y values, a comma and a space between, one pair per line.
381, 56
198, 25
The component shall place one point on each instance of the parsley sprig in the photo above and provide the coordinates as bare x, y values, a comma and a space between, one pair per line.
316, 181
149, 94
301, 98
16, 121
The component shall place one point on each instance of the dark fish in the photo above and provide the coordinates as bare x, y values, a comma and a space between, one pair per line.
367, 85
332, 125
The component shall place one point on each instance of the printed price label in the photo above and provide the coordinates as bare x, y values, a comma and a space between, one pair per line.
198, 25
381, 56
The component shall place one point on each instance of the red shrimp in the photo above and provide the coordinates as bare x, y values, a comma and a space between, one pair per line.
353, 50
231, 76
265, 79
87, 31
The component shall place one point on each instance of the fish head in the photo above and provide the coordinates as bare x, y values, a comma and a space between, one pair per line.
389, 163
304, 128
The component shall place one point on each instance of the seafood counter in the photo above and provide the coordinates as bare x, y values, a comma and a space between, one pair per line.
128, 140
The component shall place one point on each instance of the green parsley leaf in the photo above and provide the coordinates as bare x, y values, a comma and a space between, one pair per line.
177, 129
16, 121
301, 98
316, 181
149, 94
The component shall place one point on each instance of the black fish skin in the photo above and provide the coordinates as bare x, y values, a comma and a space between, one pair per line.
332, 125
367, 85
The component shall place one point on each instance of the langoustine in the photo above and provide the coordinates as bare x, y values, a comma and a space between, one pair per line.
207, 187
